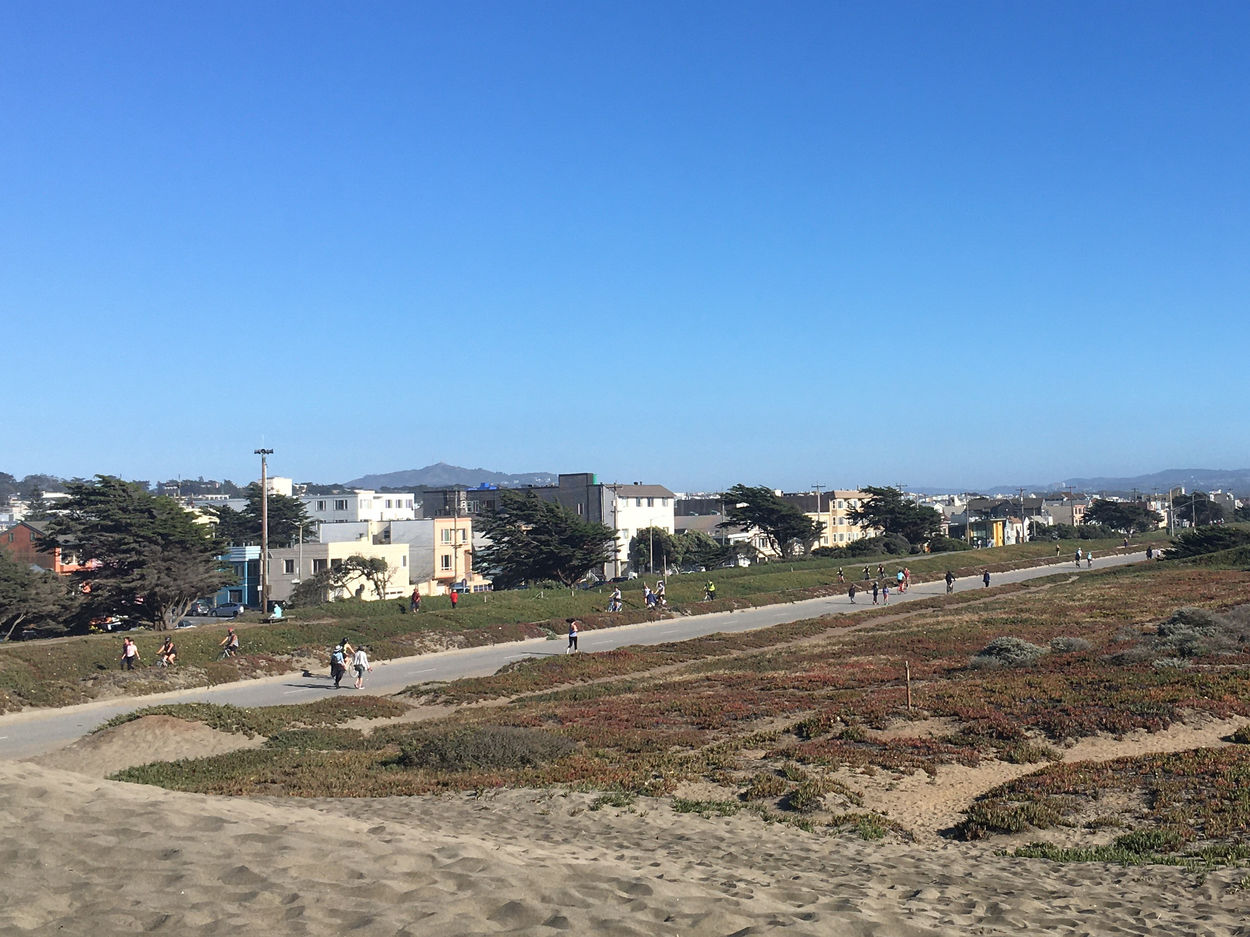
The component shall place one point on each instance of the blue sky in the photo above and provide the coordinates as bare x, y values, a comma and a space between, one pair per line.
953, 244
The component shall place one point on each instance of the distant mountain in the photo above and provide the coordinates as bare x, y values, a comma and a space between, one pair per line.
1234, 480
442, 475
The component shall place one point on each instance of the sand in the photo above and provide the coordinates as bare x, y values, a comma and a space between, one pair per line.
83, 855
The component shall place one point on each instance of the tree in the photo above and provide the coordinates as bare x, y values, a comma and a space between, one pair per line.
318, 588
1128, 517
534, 540
653, 548
1197, 509
886, 510
287, 518
148, 558
787, 529
695, 548
373, 569
32, 598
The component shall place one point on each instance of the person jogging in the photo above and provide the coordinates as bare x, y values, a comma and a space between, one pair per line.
950, 582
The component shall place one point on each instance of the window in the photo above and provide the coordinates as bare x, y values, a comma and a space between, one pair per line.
288, 567
319, 566
389, 503
464, 534
403, 560
638, 502
651, 502
321, 505
580, 508
336, 563
444, 561
446, 534
340, 504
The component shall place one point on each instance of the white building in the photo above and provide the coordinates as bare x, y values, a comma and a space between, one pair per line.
361, 505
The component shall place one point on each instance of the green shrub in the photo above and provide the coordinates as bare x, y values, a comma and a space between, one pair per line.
764, 786
1211, 539
805, 797
1067, 645
1007, 652
468, 747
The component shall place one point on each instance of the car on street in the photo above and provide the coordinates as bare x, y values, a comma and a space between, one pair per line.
228, 610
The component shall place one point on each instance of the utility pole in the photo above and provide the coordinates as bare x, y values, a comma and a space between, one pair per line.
818, 489
1024, 524
264, 529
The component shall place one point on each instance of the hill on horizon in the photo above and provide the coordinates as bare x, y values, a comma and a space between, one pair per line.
1192, 479
442, 475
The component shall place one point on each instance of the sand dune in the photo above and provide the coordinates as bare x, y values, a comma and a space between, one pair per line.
88, 856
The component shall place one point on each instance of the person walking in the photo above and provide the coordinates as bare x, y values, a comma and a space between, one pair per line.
906, 578
455, 598
985, 577
1150, 553
414, 603
866, 576
876, 591
573, 630
851, 593
885, 592
950, 582
1089, 558
360, 663
338, 662
841, 578
1056, 549
1078, 557
130, 654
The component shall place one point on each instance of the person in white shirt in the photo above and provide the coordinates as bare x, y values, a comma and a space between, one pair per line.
360, 661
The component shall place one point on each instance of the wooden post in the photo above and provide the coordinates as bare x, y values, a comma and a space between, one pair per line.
907, 667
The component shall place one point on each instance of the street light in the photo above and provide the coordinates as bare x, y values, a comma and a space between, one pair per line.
264, 529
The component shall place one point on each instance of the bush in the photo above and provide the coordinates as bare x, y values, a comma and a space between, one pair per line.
764, 787
468, 747
947, 545
1007, 652
1200, 540
1066, 645
805, 797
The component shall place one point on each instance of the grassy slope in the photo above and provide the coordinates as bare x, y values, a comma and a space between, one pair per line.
768, 717
69, 670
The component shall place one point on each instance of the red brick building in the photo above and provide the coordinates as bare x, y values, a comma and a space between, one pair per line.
21, 541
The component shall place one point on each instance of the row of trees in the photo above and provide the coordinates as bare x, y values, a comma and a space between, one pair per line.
532, 540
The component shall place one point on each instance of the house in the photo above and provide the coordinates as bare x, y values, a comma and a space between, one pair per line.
440, 549
289, 566
22, 541
832, 509
361, 505
626, 509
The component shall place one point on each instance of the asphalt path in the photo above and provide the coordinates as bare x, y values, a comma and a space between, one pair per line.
32, 732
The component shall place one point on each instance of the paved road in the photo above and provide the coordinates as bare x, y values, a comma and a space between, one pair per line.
33, 732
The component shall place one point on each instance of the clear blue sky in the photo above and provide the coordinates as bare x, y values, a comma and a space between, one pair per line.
689, 243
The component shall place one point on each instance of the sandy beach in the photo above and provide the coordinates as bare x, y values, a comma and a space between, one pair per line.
89, 856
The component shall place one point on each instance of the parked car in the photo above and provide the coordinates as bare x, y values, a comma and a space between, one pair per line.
228, 610
200, 610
